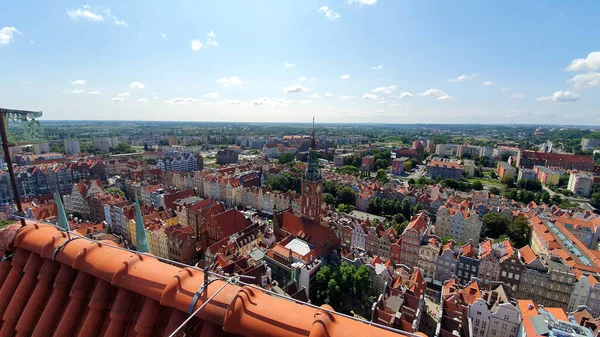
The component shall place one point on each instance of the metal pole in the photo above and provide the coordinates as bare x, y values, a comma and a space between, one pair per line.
11, 172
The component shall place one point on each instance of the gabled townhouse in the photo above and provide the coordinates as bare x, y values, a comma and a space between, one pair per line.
412, 237
428, 256
446, 264
467, 266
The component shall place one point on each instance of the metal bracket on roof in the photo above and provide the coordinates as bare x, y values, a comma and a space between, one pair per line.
7, 256
62, 245
200, 291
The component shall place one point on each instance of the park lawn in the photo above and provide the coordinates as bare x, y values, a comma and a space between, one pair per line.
488, 182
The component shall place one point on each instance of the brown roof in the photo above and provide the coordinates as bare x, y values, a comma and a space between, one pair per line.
95, 289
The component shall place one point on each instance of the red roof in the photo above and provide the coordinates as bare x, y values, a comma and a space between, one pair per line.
231, 221
94, 289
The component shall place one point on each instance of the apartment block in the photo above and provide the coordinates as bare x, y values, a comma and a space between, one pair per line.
580, 184
445, 170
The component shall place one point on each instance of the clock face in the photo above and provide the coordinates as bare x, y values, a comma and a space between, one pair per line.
306, 188
318, 189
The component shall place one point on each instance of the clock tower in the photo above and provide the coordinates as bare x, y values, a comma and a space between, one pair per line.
312, 184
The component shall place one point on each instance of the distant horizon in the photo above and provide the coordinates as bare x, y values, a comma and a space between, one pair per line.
317, 123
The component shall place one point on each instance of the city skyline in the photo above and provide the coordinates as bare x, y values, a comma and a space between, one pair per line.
342, 61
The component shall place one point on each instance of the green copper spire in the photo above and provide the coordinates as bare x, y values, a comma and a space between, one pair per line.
63, 223
312, 172
141, 242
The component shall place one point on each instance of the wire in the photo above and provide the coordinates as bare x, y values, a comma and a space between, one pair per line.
227, 280
199, 308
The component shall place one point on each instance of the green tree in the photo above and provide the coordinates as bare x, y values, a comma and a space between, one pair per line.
145, 146
508, 181
348, 169
346, 195
362, 281
407, 166
380, 164
400, 227
596, 197
406, 209
328, 199
382, 176
477, 185
505, 156
115, 191
530, 185
399, 218
343, 208
286, 157
519, 232
334, 295
494, 190
494, 225
122, 148
493, 175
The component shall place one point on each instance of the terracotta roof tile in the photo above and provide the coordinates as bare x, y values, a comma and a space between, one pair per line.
93, 288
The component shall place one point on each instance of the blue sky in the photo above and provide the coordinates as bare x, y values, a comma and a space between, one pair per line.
389, 61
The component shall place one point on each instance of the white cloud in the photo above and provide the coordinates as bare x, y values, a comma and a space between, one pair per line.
196, 45
78, 82
120, 97
487, 83
302, 79
329, 13
227, 82
211, 39
7, 34
345, 76
76, 91
266, 101
362, 2
305, 102
462, 77
505, 89
164, 36
181, 100
517, 95
97, 14
445, 98
585, 80
295, 88
377, 67
369, 96
382, 102
85, 12
560, 96
289, 65
405, 94
328, 94
385, 90
433, 92
143, 100
344, 97
211, 95
590, 63
232, 102
315, 95
94, 92
137, 85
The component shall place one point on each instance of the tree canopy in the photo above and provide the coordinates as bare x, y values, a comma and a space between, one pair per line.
286, 157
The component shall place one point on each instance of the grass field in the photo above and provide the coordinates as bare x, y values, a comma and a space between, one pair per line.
488, 182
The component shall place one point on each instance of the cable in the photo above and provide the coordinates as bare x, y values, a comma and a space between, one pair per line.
227, 280
199, 308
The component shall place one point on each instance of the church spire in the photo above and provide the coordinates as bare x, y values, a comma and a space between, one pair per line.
63, 223
141, 242
313, 144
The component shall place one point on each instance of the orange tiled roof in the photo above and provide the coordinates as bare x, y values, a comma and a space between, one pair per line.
92, 288
527, 254
527, 308
558, 313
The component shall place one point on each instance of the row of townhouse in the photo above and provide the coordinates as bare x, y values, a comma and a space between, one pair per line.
36, 180
460, 223
183, 162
